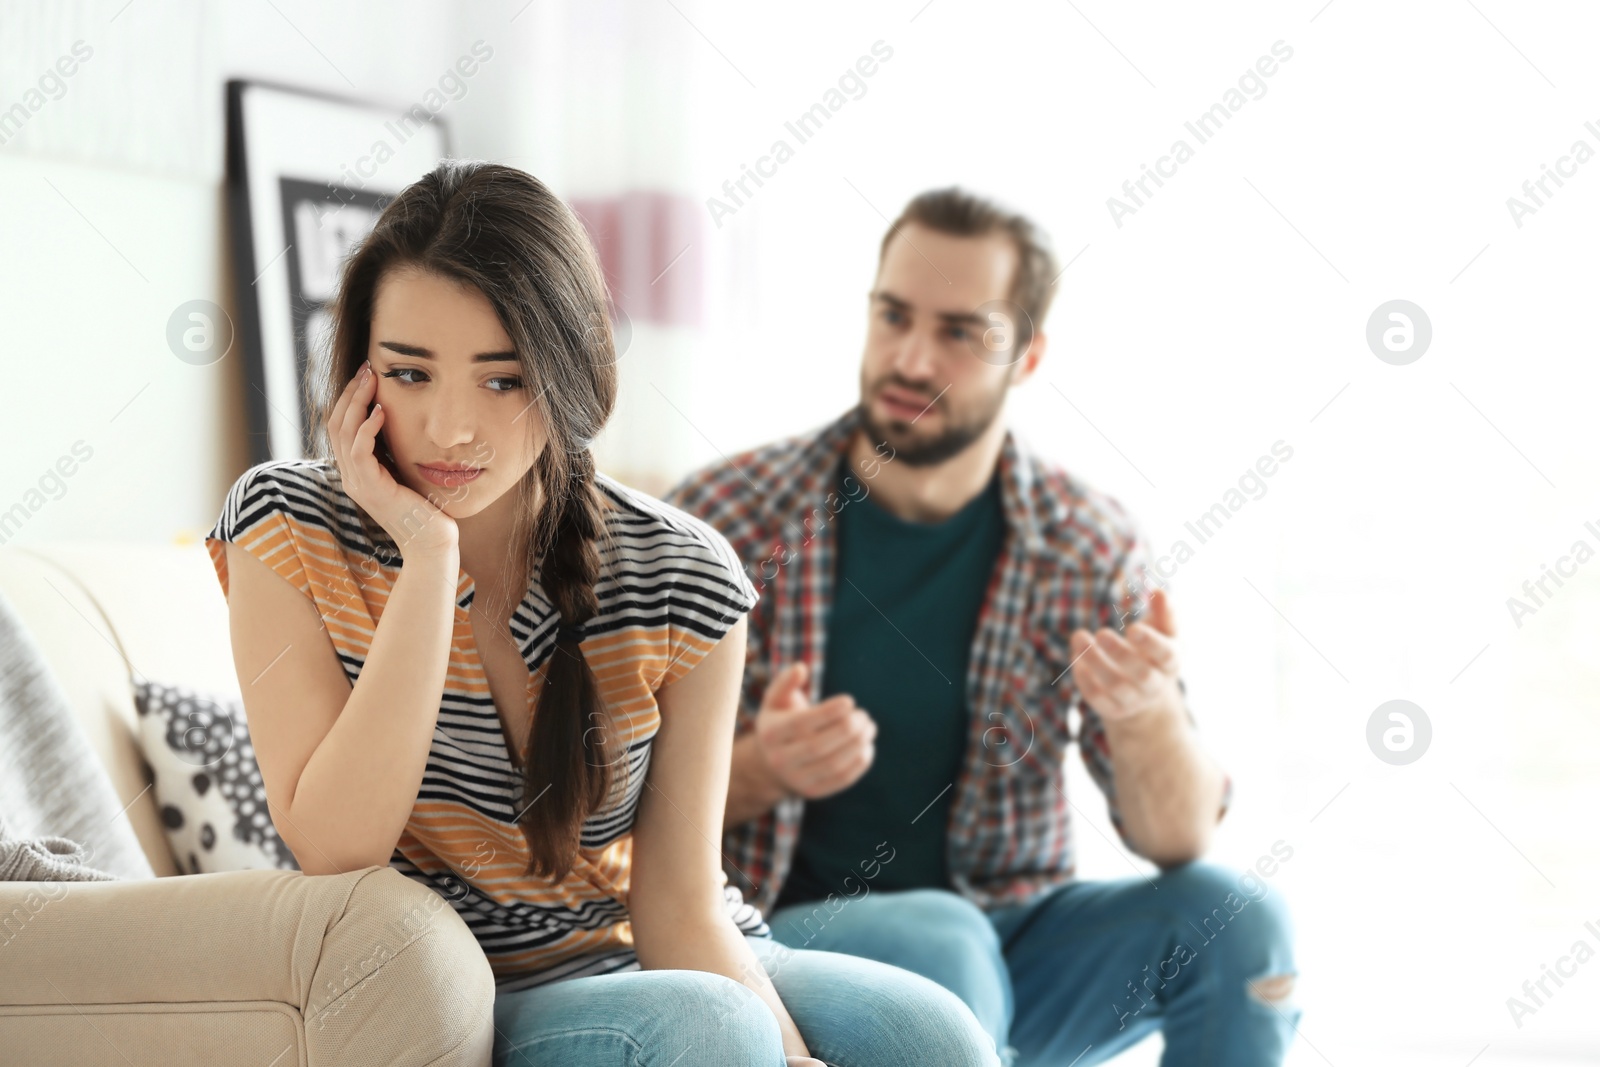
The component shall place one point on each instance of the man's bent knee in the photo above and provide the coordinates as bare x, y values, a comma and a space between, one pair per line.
940, 909
1236, 925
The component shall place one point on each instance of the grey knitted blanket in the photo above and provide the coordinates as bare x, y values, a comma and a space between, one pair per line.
58, 807
45, 859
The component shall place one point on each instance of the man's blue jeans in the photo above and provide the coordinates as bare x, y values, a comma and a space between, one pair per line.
852, 1012
1088, 969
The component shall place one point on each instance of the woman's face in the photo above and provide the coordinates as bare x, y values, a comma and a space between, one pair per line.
452, 391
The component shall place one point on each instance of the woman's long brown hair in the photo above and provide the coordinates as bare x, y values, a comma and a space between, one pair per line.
503, 232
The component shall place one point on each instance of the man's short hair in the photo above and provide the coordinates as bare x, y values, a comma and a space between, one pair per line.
955, 211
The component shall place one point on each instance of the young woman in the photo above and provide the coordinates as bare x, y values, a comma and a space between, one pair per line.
467, 654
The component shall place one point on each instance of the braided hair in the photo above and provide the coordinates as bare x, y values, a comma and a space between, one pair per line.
501, 231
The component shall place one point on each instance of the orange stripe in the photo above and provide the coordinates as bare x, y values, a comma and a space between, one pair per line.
447, 836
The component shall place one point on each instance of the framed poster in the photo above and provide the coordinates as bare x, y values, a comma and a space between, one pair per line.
307, 176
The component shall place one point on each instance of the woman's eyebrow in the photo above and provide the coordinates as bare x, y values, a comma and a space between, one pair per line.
422, 353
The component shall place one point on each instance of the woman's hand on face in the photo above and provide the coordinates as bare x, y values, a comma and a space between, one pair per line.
415, 524
803, 1061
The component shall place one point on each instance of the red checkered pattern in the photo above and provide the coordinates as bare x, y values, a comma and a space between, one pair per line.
1072, 558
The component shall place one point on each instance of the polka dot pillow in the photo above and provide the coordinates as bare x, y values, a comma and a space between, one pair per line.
213, 803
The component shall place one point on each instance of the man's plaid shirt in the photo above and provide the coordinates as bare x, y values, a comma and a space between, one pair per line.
1072, 558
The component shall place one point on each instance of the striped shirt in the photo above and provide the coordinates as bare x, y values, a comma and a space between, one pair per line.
1072, 558
669, 588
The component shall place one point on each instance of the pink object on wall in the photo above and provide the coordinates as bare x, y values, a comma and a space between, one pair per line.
650, 244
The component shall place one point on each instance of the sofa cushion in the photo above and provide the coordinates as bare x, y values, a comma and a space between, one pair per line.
209, 788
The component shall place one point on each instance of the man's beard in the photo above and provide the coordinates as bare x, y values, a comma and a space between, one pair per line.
958, 433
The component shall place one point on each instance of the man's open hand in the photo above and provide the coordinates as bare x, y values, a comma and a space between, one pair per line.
1123, 676
813, 750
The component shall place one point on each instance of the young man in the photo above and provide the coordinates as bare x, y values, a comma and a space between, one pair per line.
934, 601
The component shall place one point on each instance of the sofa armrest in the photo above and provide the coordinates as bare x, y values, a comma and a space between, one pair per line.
366, 967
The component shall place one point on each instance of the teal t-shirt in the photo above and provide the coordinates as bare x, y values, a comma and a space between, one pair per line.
899, 635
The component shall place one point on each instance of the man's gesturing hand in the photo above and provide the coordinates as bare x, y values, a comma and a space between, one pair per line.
814, 750
1121, 677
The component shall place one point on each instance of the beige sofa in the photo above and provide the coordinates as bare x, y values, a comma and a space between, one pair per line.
246, 967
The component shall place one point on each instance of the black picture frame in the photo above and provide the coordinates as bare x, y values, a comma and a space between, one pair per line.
307, 175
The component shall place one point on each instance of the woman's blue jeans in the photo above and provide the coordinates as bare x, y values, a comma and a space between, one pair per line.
852, 1012
1082, 972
